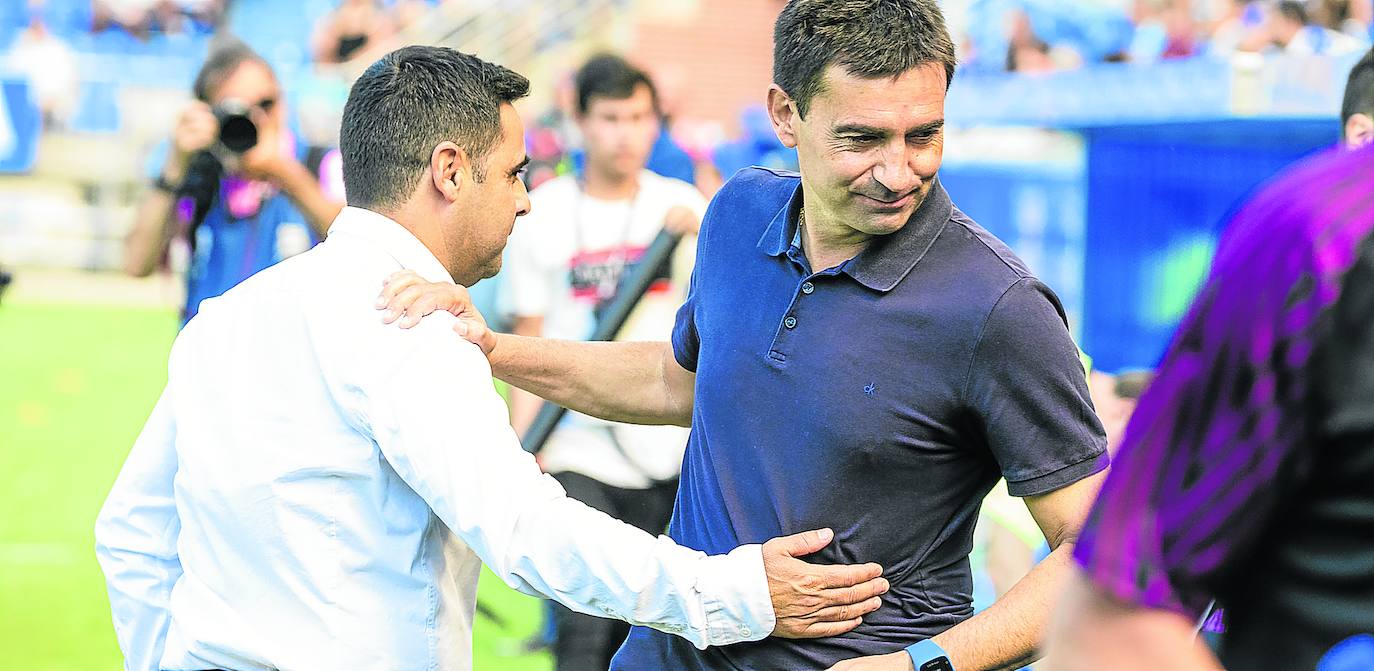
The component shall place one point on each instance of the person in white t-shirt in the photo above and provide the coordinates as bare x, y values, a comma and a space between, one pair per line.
564, 263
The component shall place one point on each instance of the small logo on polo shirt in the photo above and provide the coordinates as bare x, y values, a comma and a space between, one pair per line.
871, 389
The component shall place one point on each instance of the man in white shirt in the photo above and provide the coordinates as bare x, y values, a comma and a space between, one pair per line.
563, 265
317, 490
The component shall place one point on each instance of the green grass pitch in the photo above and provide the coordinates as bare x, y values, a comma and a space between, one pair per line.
76, 384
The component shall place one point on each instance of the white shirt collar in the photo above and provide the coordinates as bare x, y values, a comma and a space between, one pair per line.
393, 239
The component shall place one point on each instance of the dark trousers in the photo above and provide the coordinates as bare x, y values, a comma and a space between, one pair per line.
585, 642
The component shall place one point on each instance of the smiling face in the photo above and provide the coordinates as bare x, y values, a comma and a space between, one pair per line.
869, 148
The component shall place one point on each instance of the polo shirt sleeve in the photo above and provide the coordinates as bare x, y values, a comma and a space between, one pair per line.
1028, 394
686, 340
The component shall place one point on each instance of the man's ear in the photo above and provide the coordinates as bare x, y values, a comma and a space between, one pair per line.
1359, 130
782, 111
450, 169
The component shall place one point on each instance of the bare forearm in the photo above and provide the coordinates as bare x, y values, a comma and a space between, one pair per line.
1007, 634
152, 229
1093, 631
620, 382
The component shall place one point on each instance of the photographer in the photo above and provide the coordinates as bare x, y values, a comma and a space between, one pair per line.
232, 181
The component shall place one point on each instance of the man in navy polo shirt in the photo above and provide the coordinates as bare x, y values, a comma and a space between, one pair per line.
855, 353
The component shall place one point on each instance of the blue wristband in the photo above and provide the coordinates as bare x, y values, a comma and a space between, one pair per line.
927, 651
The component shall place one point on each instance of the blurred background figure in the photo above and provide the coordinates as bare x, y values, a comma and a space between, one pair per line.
585, 230
1238, 25
1294, 32
356, 29
1351, 17
144, 18
50, 63
231, 181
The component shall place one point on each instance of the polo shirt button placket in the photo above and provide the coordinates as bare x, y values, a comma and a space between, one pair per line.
808, 288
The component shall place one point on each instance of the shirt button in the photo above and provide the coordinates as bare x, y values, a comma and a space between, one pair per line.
744, 631
807, 288
790, 322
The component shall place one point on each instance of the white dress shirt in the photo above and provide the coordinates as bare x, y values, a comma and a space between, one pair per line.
318, 490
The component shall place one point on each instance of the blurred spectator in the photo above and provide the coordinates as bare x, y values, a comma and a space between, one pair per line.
1239, 25
1351, 17
1166, 29
1043, 35
1292, 31
1051, 35
50, 67
242, 209
1026, 52
1180, 30
142, 18
1357, 109
563, 266
351, 30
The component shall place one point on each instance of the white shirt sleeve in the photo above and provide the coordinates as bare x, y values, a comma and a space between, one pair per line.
136, 541
443, 428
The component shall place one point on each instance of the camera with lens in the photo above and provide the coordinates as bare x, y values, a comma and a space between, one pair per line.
237, 132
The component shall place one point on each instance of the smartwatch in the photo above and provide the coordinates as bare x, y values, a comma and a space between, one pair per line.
928, 656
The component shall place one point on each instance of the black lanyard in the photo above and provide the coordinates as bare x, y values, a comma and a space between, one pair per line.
612, 278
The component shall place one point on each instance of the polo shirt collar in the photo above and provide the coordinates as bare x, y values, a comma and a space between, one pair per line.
888, 258
393, 239
778, 237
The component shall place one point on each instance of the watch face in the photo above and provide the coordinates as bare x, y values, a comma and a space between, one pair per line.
941, 664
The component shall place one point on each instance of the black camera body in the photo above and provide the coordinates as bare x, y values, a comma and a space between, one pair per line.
237, 132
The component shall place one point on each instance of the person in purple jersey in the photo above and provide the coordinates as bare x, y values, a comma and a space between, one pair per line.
1245, 473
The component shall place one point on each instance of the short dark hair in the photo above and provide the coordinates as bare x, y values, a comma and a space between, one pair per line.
868, 38
1359, 89
611, 77
406, 104
225, 57
1294, 11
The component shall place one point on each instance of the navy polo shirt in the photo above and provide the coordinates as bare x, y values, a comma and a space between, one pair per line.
882, 398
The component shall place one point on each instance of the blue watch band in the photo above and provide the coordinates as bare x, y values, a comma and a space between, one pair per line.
927, 651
